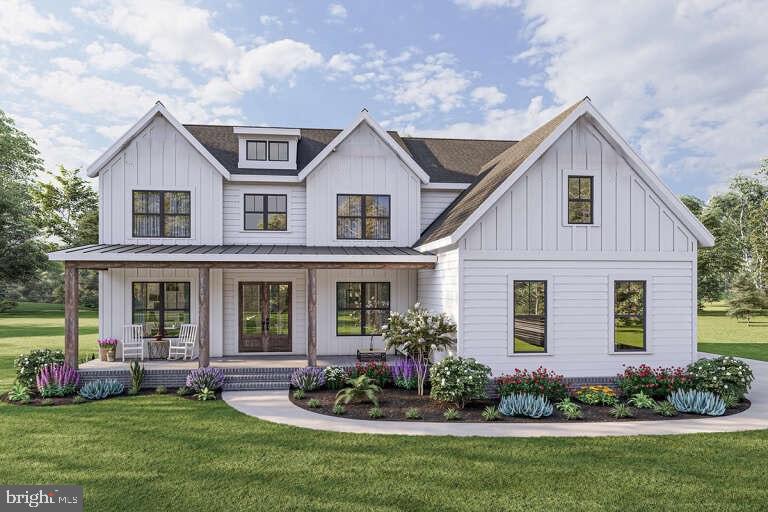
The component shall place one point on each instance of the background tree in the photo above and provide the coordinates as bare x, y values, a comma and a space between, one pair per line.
68, 208
21, 252
746, 300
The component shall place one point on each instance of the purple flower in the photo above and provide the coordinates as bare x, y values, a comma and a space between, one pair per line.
207, 377
308, 379
60, 375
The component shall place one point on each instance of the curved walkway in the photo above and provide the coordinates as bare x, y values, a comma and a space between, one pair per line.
275, 406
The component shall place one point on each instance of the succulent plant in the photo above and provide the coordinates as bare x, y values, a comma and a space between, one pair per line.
339, 409
451, 414
665, 408
525, 404
412, 414
697, 402
375, 412
621, 410
313, 403
642, 401
100, 389
490, 413
298, 394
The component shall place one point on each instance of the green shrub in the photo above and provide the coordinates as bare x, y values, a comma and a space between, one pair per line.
206, 394
54, 390
525, 404
451, 414
298, 394
183, 391
339, 409
570, 409
77, 399
730, 400
137, 376
458, 380
161, 390
28, 365
132, 392
335, 377
490, 413
19, 392
722, 375
412, 414
538, 382
697, 402
642, 401
596, 395
100, 389
654, 382
620, 410
313, 403
359, 388
665, 408
375, 412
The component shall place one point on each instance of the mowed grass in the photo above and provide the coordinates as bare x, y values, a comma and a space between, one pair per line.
722, 334
167, 453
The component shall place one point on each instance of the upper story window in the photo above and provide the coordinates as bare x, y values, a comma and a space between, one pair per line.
629, 316
362, 217
265, 212
162, 214
580, 199
273, 151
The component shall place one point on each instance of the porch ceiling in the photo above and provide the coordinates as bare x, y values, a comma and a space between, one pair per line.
243, 256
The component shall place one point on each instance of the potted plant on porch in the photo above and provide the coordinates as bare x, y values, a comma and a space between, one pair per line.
107, 348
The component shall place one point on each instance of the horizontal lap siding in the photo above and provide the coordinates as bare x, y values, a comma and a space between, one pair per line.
433, 202
438, 288
234, 232
579, 328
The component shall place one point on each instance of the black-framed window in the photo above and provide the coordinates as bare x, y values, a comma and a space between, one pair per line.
629, 316
161, 307
278, 151
265, 212
255, 150
362, 217
361, 308
580, 199
530, 317
162, 214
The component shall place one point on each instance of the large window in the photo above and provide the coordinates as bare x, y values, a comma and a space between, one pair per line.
628, 316
265, 212
580, 199
161, 307
274, 151
161, 214
361, 308
364, 217
530, 322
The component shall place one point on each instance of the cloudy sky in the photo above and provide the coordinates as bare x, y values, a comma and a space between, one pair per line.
686, 83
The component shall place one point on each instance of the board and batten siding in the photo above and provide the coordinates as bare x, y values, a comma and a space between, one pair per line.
234, 229
231, 280
363, 164
433, 202
580, 306
159, 158
115, 300
402, 290
629, 216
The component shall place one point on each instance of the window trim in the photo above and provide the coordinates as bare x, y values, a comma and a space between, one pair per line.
257, 141
162, 213
161, 314
287, 151
363, 217
612, 317
591, 199
549, 344
363, 309
596, 196
265, 212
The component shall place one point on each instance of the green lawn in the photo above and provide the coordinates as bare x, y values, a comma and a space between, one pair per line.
721, 334
166, 453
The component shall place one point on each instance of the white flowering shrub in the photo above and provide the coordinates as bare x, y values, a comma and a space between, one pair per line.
418, 334
723, 376
458, 380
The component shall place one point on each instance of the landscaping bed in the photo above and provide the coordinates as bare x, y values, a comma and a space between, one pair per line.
395, 402
38, 401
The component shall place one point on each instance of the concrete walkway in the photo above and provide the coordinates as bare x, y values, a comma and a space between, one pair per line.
275, 406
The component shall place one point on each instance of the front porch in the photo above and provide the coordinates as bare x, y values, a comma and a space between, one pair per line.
230, 362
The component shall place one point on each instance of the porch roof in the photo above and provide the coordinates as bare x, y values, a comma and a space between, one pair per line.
125, 254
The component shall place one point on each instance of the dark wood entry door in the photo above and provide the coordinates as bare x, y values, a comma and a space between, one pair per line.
265, 317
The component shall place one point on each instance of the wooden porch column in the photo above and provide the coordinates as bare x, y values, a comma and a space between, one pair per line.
312, 317
71, 306
203, 316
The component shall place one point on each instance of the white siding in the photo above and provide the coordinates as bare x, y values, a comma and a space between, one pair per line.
297, 278
159, 158
233, 214
438, 288
363, 164
402, 296
433, 202
579, 339
630, 217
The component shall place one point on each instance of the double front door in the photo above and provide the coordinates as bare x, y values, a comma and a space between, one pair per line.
265, 317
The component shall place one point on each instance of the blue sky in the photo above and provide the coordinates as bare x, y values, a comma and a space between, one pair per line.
686, 83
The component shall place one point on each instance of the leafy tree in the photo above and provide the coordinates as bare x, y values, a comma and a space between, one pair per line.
68, 208
746, 300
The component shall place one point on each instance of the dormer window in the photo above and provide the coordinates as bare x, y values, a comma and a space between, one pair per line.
267, 148
261, 150
256, 150
278, 151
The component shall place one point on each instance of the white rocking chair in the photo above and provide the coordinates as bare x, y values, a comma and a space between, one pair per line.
185, 344
133, 341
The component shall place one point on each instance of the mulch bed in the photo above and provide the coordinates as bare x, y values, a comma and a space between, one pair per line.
37, 401
394, 403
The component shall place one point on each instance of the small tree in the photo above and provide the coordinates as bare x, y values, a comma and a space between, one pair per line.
746, 300
419, 334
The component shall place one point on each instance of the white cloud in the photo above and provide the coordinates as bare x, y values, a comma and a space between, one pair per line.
55, 141
166, 75
109, 56
343, 62
482, 4
432, 83
21, 24
337, 12
270, 21
277, 60
72, 66
490, 96
114, 131
437, 36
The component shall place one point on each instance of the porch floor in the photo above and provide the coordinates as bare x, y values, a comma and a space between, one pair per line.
255, 361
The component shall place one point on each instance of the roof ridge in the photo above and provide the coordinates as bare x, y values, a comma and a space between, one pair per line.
459, 138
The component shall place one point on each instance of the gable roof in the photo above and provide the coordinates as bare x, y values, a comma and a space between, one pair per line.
158, 109
501, 172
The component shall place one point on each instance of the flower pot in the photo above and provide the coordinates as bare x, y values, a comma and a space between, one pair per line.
107, 353
111, 355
